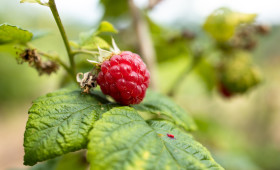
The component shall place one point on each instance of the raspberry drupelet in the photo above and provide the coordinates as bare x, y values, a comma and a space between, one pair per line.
124, 77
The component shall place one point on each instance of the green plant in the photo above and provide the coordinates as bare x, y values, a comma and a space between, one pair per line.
154, 134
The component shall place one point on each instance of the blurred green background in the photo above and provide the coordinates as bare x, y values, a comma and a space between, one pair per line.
242, 132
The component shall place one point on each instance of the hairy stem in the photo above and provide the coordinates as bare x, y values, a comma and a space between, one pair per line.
53, 8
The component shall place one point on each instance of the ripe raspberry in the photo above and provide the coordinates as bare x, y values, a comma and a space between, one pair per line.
124, 77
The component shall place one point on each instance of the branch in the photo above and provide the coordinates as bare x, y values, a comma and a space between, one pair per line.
145, 42
153, 3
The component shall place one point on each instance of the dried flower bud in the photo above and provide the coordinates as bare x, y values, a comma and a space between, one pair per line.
87, 81
48, 67
34, 60
30, 56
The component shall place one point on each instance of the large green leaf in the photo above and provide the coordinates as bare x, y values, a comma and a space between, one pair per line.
161, 105
13, 34
59, 123
124, 140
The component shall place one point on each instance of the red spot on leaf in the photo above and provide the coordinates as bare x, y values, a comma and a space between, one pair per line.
170, 136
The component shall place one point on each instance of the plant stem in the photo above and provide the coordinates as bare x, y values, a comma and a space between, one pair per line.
93, 53
53, 8
57, 59
53, 58
181, 77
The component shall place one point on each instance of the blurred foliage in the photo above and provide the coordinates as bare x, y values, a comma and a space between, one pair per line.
10, 34
238, 73
206, 71
17, 82
230, 146
114, 9
221, 24
170, 43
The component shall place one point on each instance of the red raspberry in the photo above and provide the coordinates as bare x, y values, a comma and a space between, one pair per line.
124, 77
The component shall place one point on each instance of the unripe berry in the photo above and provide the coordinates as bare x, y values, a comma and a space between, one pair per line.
237, 74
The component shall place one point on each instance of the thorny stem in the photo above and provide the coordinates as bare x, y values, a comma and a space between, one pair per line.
53, 8
181, 77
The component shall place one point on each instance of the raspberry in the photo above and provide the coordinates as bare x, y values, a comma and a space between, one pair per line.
124, 77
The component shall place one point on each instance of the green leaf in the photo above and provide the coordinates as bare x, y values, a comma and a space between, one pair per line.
47, 165
59, 123
70, 161
13, 34
169, 43
123, 140
221, 24
30, 1
106, 26
35, 1
161, 105
93, 42
73, 161
74, 44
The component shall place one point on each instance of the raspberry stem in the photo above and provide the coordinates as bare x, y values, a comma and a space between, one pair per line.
53, 8
93, 53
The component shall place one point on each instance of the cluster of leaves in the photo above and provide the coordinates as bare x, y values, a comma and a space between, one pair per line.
170, 44
115, 136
